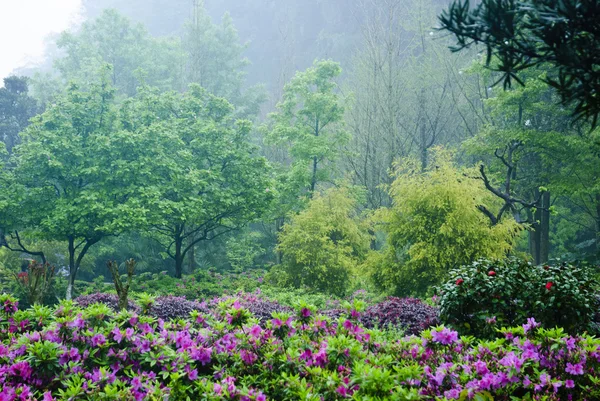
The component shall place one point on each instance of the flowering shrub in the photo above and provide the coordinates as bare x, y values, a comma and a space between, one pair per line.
482, 296
262, 308
95, 353
411, 314
124, 356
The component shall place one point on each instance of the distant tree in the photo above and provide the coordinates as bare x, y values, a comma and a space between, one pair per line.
75, 176
309, 123
207, 178
16, 108
406, 94
323, 245
519, 35
135, 56
215, 60
434, 224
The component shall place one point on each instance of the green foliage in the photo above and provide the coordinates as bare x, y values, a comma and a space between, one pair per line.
525, 34
215, 61
556, 154
244, 250
322, 245
77, 173
485, 295
198, 285
434, 225
205, 179
134, 55
35, 282
16, 108
309, 123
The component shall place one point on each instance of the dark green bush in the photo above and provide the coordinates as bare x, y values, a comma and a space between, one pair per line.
485, 295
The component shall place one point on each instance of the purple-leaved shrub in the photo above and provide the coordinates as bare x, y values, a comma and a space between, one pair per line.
171, 307
110, 300
410, 314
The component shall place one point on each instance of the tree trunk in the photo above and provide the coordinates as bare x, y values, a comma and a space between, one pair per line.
192, 258
279, 222
179, 256
597, 224
313, 181
539, 236
72, 269
545, 228
534, 235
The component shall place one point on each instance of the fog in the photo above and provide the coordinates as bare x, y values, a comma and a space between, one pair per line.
26, 25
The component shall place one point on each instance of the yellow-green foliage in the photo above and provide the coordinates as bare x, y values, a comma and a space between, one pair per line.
434, 225
322, 245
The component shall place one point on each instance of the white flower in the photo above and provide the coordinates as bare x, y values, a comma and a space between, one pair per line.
527, 123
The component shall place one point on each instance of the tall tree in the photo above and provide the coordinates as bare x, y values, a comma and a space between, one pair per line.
16, 108
434, 225
528, 33
530, 143
309, 121
207, 181
407, 94
76, 174
135, 56
215, 60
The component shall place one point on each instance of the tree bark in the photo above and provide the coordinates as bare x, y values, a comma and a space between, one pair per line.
598, 224
72, 271
192, 257
179, 256
313, 181
545, 228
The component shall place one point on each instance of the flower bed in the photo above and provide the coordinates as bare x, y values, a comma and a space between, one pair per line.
95, 353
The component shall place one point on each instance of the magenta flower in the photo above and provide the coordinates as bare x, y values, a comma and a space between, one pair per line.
576, 369
444, 336
98, 340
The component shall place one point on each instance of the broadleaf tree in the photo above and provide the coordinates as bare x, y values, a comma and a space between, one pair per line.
210, 181
75, 176
309, 122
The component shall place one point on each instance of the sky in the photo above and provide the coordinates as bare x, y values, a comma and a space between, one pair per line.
25, 23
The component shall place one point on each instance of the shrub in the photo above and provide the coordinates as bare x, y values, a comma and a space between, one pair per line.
200, 284
95, 354
110, 300
261, 307
172, 307
410, 314
322, 245
435, 225
486, 294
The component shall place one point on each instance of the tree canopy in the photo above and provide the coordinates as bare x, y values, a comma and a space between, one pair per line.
519, 35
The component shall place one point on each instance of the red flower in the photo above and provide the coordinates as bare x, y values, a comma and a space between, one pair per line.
491, 273
459, 281
549, 285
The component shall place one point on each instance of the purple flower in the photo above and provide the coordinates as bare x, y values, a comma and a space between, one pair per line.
531, 324
98, 340
444, 336
576, 369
